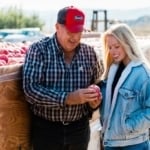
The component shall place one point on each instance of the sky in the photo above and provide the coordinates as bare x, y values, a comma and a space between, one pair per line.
94, 4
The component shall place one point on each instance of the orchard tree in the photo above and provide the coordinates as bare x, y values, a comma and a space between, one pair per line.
15, 18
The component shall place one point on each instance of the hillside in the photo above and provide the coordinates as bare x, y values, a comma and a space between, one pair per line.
141, 25
138, 19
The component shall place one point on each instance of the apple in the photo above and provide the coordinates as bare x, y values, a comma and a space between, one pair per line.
4, 57
4, 51
96, 88
2, 62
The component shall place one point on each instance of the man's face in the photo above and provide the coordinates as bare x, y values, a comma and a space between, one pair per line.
69, 41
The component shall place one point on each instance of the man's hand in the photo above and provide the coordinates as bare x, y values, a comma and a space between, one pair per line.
82, 96
94, 104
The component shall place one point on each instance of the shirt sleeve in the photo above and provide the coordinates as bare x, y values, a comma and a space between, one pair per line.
35, 89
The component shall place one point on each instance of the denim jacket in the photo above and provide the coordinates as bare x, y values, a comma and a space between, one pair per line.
126, 117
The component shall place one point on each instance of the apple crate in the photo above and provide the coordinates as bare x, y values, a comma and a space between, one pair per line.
14, 110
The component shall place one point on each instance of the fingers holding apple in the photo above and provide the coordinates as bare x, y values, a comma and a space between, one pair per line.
94, 104
96, 88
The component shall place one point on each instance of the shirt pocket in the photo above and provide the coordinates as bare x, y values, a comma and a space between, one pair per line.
85, 73
129, 100
128, 94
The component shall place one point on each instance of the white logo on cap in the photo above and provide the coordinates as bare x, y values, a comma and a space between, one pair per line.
78, 17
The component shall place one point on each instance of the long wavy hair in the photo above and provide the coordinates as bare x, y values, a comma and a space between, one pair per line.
123, 33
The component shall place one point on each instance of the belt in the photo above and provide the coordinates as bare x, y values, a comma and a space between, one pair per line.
63, 123
76, 122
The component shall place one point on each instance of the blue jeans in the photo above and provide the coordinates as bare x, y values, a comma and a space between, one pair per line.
141, 146
47, 135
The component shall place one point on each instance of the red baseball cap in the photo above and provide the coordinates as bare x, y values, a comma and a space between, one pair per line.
72, 18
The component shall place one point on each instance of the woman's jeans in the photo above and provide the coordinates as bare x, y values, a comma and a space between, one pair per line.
47, 135
141, 146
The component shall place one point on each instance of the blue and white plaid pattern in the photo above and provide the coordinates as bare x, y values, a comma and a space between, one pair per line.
47, 79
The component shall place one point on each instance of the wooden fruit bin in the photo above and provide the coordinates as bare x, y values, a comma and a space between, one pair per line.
14, 110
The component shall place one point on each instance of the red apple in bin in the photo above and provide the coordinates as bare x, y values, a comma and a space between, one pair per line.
96, 88
4, 58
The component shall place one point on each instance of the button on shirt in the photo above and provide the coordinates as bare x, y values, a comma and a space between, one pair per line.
47, 79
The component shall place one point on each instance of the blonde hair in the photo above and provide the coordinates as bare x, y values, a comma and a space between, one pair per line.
123, 33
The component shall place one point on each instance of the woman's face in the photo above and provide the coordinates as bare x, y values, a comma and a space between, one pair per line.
116, 50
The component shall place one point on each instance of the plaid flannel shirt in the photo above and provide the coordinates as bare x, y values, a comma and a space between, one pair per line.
47, 79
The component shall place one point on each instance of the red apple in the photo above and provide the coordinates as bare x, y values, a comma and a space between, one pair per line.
96, 88
4, 51
4, 57
2, 62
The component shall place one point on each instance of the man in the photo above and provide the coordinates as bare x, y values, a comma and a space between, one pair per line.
56, 75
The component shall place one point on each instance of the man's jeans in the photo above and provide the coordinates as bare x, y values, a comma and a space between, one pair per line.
48, 135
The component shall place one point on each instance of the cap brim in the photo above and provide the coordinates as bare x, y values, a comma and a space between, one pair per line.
75, 29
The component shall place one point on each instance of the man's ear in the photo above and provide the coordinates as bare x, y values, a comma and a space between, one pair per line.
56, 26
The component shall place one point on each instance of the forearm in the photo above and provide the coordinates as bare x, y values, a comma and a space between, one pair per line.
44, 96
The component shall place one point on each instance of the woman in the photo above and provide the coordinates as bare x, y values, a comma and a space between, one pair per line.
125, 109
